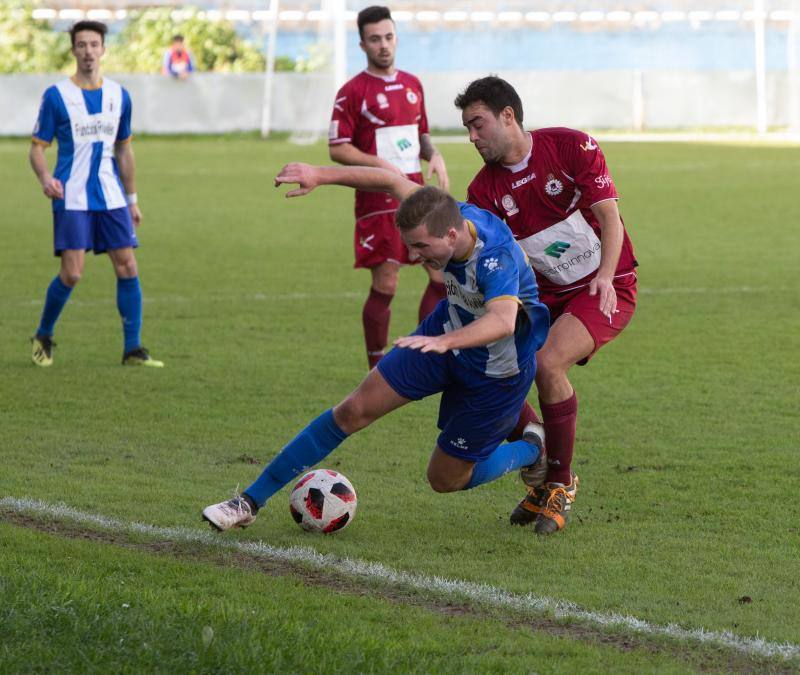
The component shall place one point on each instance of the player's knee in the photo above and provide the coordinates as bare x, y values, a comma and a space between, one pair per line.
351, 415
70, 277
443, 483
386, 285
127, 269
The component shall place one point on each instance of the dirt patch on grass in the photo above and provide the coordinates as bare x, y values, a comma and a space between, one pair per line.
705, 658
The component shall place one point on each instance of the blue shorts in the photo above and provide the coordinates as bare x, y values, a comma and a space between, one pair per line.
96, 230
476, 412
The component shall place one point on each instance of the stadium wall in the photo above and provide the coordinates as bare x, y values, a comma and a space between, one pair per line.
606, 99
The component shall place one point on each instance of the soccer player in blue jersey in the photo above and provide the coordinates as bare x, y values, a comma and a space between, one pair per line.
477, 348
92, 189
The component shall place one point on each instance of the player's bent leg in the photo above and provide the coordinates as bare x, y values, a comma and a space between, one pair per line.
129, 305
377, 313
56, 298
548, 505
447, 473
371, 400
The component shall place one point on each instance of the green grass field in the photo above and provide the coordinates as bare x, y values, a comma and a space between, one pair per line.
687, 449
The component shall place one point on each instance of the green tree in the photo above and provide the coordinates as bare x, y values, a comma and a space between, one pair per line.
29, 45
215, 45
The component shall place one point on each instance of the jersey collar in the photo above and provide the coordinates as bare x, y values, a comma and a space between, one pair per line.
474, 234
519, 166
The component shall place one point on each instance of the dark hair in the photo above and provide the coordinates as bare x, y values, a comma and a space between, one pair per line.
372, 14
495, 93
94, 26
432, 207
177, 38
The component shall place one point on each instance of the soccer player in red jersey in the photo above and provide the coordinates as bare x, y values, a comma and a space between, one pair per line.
553, 189
379, 120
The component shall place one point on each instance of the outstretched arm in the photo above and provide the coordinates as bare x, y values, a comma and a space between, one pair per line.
308, 177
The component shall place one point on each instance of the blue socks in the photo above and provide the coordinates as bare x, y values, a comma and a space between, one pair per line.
311, 445
57, 296
129, 304
507, 457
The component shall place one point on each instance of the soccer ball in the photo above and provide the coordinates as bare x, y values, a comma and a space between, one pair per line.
323, 501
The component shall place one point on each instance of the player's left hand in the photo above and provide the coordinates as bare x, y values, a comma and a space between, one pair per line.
136, 214
297, 172
425, 343
436, 166
608, 296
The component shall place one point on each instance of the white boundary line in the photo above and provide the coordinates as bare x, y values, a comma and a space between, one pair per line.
480, 593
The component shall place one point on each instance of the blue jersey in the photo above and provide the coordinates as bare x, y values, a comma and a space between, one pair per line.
86, 123
495, 268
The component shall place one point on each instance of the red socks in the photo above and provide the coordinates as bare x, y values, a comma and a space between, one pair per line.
375, 316
430, 298
527, 414
559, 432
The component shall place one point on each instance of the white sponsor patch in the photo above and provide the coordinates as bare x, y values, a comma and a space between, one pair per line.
564, 252
400, 146
333, 130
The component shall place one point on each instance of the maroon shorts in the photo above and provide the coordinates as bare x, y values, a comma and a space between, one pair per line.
377, 240
586, 308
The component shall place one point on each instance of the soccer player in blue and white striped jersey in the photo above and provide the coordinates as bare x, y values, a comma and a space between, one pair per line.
477, 348
92, 189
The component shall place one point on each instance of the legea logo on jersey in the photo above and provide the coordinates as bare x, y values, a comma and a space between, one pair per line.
556, 249
404, 144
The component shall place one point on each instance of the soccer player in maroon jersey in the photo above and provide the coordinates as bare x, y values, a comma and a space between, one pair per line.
379, 120
553, 189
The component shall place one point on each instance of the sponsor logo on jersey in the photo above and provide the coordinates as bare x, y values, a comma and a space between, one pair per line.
333, 130
404, 144
470, 301
509, 205
522, 181
93, 128
383, 102
589, 145
577, 259
603, 181
556, 249
491, 264
553, 186
411, 97
393, 87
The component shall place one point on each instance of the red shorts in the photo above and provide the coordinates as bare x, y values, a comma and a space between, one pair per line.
585, 308
377, 240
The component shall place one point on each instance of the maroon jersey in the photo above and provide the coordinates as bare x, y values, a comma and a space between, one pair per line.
546, 200
383, 116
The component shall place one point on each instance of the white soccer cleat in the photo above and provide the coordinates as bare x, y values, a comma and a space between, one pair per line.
235, 512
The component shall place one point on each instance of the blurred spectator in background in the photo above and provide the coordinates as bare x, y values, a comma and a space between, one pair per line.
177, 60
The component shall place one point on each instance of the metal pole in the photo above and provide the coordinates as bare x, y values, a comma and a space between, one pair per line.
760, 66
269, 72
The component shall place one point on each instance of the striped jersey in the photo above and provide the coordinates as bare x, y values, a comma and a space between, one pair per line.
495, 268
86, 123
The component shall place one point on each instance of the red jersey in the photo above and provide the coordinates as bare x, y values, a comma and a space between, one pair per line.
383, 116
546, 200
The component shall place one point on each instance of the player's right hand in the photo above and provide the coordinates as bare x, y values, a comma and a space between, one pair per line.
297, 172
52, 188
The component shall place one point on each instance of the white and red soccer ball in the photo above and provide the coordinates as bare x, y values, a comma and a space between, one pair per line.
323, 501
